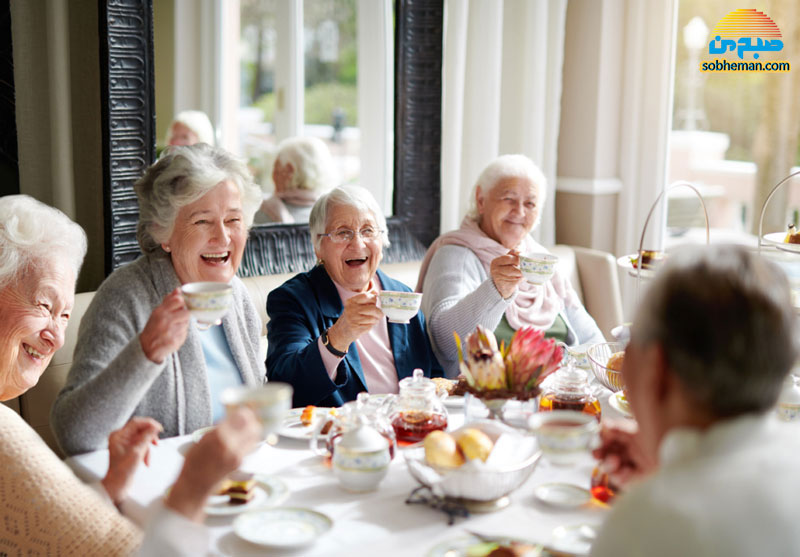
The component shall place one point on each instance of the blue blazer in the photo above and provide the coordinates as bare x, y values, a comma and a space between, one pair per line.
305, 306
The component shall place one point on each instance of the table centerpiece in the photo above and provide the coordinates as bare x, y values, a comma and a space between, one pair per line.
497, 374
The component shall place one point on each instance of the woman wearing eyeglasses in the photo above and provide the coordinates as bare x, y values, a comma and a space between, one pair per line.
327, 335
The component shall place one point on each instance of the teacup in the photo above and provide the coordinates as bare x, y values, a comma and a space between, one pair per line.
578, 353
565, 436
270, 402
538, 268
400, 307
208, 302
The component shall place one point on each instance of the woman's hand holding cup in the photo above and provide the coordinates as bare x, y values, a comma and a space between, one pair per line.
360, 314
505, 273
166, 330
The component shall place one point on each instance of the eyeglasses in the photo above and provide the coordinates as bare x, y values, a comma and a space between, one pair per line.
343, 235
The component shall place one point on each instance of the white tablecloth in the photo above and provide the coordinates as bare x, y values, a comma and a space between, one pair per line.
377, 523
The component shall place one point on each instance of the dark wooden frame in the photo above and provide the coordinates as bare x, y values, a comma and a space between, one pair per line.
128, 85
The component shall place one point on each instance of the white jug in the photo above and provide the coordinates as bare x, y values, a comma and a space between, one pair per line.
361, 458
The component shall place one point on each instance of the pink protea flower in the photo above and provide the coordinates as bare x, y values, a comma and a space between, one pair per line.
530, 358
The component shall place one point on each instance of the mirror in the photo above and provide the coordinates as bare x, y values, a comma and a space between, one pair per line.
314, 78
127, 79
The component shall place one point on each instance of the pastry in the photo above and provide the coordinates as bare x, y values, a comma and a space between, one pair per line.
441, 450
792, 235
650, 259
240, 492
443, 386
307, 417
615, 361
475, 444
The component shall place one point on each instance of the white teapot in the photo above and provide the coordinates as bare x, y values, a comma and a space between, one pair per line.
361, 458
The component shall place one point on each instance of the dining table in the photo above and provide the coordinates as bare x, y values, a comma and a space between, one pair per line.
379, 522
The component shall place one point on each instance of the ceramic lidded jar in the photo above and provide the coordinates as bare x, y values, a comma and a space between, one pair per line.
789, 400
569, 389
361, 458
417, 411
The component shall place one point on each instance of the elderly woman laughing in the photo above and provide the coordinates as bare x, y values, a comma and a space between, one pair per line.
327, 335
471, 276
136, 352
45, 508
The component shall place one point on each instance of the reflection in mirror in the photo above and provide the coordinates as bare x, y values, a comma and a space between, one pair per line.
128, 75
318, 69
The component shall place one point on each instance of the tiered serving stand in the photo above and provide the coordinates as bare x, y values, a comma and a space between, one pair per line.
638, 273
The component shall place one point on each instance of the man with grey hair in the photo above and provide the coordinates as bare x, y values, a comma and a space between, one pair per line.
710, 347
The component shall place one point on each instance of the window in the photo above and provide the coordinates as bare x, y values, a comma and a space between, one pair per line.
734, 134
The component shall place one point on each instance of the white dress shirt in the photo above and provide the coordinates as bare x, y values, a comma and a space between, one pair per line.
733, 490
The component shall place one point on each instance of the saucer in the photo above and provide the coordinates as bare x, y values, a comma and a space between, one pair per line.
574, 540
562, 495
616, 402
282, 528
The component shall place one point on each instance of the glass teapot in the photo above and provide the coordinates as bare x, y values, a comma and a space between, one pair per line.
364, 410
416, 411
569, 389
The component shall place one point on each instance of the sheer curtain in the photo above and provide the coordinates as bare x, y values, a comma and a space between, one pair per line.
501, 94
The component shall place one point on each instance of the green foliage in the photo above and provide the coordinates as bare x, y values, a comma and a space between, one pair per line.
321, 100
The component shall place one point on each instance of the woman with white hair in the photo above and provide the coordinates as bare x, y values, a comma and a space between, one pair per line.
135, 345
303, 170
327, 336
45, 508
190, 127
471, 276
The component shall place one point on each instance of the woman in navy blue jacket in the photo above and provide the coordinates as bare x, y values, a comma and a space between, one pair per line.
327, 335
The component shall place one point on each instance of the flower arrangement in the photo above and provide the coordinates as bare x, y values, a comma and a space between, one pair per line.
515, 371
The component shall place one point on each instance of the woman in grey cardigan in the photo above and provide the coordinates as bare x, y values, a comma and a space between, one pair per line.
471, 276
137, 353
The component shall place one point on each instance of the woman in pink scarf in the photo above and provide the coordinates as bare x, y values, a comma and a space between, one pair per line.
302, 172
471, 276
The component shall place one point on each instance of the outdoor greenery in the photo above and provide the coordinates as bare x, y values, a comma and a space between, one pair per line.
321, 101
330, 84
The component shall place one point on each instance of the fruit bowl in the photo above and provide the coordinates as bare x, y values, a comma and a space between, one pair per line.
478, 486
598, 357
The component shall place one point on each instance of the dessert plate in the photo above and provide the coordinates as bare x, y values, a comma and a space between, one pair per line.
618, 403
624, 263
469, 545
269, 491
198, 433
562, 495
574, 540
293, 428
776, 239
282, 528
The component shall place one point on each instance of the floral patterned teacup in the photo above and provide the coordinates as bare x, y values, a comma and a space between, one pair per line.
538, 268
400, 307
208, 302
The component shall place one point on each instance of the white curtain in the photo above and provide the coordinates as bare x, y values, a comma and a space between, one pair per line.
501, 94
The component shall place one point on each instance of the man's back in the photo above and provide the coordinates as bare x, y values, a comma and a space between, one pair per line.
732, 490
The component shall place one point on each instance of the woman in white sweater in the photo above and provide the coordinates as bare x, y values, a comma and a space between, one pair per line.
471, 276
44, 508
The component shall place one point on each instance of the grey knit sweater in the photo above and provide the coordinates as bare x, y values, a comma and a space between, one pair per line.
458, 295
112, 380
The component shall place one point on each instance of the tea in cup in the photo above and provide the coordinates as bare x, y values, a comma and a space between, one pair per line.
269, 402
400, 307
538, 268
208, 302
565, 436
